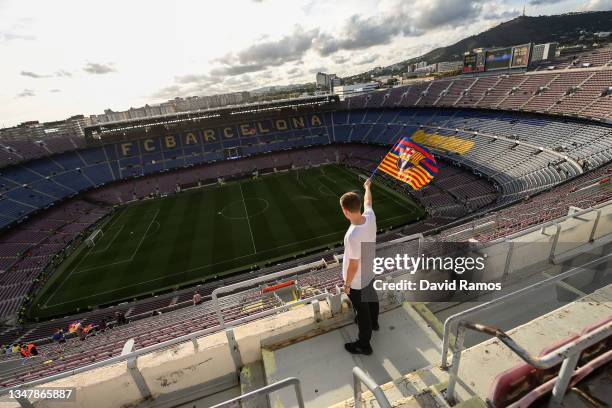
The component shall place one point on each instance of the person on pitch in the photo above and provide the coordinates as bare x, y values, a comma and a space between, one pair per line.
358, 281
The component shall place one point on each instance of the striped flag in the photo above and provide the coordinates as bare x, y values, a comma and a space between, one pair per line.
410, 162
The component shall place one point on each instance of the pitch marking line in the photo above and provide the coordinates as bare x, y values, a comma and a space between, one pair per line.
65, 280
130, 259
328, 193
97, 251
73, 272
266, 206
209, 265
248, 219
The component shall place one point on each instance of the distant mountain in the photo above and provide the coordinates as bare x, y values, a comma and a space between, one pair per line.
566, 29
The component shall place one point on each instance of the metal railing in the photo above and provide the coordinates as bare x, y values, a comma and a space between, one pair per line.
568, 354
192, 337
360, 377
448, 323
258, 280
266, 390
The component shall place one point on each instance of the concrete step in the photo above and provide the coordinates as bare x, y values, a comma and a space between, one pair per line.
420, 388
252, 377
405, 343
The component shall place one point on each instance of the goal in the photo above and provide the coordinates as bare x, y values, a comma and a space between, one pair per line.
94, 237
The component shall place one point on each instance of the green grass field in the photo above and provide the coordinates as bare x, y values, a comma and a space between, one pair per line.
160, 244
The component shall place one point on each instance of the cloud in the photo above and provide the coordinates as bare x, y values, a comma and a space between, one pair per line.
441, 13
293, 70
33, 74
6, 36
359, 33
396, 18
268, 53
26, 93
236, 70
598, 5
63, 74
167, 92
340, 59
98, 68
496, 14
187, 79
544, 2
60, 74
55, 90
317, 69
368, 59
406, 19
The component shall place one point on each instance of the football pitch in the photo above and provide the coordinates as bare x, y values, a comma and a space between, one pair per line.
157, 245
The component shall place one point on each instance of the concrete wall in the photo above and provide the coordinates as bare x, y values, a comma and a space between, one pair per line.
183, 366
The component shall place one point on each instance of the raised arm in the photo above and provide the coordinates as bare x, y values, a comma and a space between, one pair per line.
367, 197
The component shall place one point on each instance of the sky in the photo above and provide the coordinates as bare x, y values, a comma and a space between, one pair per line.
65, 57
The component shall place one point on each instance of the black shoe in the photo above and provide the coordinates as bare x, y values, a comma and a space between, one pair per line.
355, 348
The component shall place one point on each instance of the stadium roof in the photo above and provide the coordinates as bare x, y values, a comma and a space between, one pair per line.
229, 110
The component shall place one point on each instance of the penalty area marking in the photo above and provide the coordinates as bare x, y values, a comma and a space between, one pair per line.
206, 266
73, 272
130, 259
107, 246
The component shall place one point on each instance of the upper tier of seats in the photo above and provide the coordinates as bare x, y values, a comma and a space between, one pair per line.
579, 92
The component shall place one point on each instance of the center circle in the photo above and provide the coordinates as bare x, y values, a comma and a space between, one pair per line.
236, 209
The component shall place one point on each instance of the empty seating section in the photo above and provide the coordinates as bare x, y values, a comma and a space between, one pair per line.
563, 84
455, 91
524, 154
26, 251
570, 91
528, 88
582, 192
473, 94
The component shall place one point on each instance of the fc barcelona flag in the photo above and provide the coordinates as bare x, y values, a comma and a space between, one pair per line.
411, 163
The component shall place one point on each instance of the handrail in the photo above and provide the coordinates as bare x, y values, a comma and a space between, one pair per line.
487, 305
291, 381
360, 377
568, 354
552, 222
254, 281
146, 350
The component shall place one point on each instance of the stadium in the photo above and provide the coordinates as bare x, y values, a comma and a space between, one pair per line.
117, 230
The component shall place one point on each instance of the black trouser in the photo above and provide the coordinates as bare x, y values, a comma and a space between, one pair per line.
365, 303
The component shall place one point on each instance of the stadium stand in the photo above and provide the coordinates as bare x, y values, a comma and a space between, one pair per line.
508, 162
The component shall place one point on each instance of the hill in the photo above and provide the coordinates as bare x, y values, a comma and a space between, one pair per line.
566, 29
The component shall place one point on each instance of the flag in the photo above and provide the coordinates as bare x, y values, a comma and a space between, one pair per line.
410, 162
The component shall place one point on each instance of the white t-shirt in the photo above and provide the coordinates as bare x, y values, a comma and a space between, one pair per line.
353, 238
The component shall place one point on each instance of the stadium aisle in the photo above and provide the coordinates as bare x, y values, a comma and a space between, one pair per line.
403, 344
